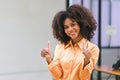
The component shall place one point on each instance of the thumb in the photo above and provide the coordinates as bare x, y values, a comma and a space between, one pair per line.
49, 45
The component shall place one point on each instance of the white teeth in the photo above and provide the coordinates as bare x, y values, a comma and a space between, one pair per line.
72, 33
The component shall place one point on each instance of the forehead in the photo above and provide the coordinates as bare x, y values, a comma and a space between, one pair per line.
68, 21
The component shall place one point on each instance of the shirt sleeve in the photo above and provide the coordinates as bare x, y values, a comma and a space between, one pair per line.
55, 67
85, 73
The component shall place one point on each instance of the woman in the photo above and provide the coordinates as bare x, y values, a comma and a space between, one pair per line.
75, 56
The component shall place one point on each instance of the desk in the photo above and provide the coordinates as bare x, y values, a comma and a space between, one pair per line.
108, 70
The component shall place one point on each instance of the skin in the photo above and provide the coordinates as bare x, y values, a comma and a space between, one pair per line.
72, 30
46, 53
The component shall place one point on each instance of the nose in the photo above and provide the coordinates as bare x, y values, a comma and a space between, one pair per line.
70, 28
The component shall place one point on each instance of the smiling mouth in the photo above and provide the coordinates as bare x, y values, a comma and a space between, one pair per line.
72, 33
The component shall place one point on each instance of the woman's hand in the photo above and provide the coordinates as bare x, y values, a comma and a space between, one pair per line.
86, 52
46, 53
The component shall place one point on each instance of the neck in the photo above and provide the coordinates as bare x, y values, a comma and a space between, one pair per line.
76, 40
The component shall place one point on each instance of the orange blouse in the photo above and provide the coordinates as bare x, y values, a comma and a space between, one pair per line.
68, 61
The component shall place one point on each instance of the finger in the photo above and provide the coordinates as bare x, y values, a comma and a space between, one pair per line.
49, 45
83, 46
42, 53
88, 48
45, 50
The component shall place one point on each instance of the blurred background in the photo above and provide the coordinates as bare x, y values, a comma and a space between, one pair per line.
25, 28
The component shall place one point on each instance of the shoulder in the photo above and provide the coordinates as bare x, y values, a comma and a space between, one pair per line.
60, 45
59, 49
93, 46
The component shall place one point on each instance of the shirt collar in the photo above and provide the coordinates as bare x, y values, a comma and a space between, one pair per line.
68, 44
80, 43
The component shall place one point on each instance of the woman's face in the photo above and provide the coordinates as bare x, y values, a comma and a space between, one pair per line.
71, 28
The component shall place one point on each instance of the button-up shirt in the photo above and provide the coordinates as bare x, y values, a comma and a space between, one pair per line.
68, 61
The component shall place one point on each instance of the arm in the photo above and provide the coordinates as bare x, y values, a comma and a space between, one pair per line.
87, 68
55, 67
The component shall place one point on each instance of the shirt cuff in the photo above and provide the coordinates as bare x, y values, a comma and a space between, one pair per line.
55, 69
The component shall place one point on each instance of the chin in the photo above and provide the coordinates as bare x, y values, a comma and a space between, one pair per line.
73, 38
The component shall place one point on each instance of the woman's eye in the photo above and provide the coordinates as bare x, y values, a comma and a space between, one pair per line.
65, 27
72, 25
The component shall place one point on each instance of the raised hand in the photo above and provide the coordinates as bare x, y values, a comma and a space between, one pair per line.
46, 53
86, 52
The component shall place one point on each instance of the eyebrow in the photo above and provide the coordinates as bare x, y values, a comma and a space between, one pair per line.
70, 23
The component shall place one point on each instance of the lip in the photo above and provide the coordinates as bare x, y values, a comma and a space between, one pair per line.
72, 34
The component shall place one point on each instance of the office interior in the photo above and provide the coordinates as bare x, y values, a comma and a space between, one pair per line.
25, 28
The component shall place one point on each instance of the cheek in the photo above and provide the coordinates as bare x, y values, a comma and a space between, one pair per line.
66, 32
78, 29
